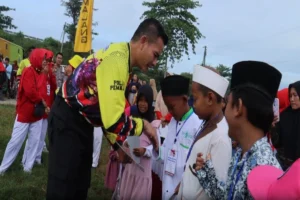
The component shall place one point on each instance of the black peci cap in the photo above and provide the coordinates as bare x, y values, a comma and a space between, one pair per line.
175, 85
258, 74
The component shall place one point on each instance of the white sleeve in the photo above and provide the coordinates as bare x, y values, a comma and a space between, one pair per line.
148, 152
158, 155
221, 153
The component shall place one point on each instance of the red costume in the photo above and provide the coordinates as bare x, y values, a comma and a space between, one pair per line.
29, 91
47, 84
168, 117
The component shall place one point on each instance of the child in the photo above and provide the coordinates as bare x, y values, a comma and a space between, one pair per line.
181, 132
208, 89
249, 113
136, 184
112, 170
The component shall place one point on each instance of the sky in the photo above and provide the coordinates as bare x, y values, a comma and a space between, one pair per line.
234, 30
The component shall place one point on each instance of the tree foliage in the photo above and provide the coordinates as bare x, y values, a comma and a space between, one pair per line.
224, 71
6, 21
73, 11
48, 43
180, 25
155, 73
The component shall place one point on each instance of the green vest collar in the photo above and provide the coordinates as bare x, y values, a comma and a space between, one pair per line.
187, 115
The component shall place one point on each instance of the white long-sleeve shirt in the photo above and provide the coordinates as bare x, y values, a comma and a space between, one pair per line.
187, 130
218, 144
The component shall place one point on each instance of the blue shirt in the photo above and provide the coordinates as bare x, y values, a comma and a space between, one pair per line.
8, 70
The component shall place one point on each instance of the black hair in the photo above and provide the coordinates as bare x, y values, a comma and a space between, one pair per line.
153, 29
205, 90
259, 107
296, 86
6, 59
59, 53
147, 92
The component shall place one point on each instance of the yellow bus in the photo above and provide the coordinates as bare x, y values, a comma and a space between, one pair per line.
11, 50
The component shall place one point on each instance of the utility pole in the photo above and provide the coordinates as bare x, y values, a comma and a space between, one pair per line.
204, 56
63, 37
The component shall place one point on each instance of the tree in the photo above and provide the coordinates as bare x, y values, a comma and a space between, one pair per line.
49, 43
6, 21
52, 44
179, 24
224, 71
73, 11
153, 73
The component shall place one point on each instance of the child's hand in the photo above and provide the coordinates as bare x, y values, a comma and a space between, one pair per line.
275, 120
47, 110
234, 144
150, 132
122, 156
125, 144
139, 152
199, 162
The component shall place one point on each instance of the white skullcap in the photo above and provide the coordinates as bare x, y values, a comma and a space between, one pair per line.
210, 79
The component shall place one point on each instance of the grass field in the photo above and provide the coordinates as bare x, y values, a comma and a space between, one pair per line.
16, 185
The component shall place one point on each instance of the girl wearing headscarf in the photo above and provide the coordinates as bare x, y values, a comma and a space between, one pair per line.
136, 184
288, 129
30, 109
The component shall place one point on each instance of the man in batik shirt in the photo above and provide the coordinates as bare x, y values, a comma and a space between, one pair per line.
249, 114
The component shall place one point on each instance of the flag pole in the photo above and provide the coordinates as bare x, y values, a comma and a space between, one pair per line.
92, 28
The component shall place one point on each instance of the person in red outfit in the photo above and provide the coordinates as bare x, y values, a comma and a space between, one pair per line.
47, 86
31, 107
2, 77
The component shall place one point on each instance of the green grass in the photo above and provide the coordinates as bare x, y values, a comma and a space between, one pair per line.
16, 185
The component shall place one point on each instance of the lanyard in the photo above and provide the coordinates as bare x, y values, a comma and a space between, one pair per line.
175, 140
202, 128
233, 184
